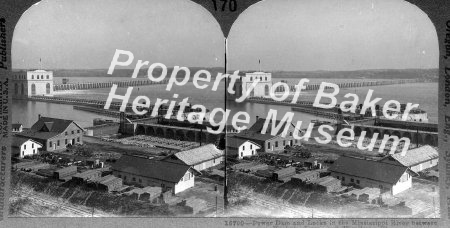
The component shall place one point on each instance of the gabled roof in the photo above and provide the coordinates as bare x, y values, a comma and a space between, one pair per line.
234, 142
370, 169
19, 141
200, 154
47, 127
254, 132
156, 169
417, 155
259, 124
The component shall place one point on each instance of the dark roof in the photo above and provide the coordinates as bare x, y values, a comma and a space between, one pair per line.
47, 127
370, 169
254, 132
156, 169
234, 142
16, 125
259, 124
18, 141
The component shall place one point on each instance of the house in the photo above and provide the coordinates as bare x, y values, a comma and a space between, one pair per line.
372, 173
267, 141
326, 184
417, 159
22, 147
306, 176
141, 171
107, 183
17, 127
241, 147
54, 134
87, 175
199, 158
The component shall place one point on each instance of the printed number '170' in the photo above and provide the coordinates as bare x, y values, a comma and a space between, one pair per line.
232, 4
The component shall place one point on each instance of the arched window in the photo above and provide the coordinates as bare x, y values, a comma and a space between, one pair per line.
16, 88
266, 90
22, 89
33, 89
48, 88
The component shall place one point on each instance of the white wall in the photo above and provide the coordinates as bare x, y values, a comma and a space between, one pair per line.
247, 149
29, 148
186, 182
402, 186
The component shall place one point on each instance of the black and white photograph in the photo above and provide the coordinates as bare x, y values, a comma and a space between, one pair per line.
224, 113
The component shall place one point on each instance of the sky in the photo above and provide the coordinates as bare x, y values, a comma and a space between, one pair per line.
311, 35
68, 34
285, 34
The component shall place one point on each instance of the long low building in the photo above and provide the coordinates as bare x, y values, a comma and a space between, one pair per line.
372, 173
142, 171
417, 159
199, 158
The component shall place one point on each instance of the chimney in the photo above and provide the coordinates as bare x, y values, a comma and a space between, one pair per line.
39, 116
257, 117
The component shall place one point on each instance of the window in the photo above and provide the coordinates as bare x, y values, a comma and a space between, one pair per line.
78, 139
357, 181
32, 145
352, 180
243, 147
51, 144
251, 146
34, 151
65, 141
337, 177
268, 145
134, 178
290, 133
65, 133
284, 142
73, 132
343, 178
32, 76
57, 143
47, 77
276, 143
78, 131
25, 146
120, 176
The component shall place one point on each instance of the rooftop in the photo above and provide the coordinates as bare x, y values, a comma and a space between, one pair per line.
200, 154
156, 169
417, 155
370, 169
47, 127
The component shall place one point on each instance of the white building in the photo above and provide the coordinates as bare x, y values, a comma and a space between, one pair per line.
243, 84
373, 174
22, 147
242, 147
199, 158
32, 83
17, 127
417, 159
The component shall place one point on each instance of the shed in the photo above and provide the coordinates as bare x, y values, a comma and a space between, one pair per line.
305, 176
326, 184
284, 174
87, 175
65, 172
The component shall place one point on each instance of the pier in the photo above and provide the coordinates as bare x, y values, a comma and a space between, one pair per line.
96, 85
342, 85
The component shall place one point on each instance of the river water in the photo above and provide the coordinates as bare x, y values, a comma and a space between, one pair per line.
26, 112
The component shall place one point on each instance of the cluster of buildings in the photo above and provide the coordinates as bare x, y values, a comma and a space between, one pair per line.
47, 134
249, 142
